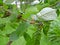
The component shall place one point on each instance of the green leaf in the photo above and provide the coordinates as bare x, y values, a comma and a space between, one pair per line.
3, 40
1, 2
22, 28
35, 39
2, 26
46, 27
27, 37
54, 32
52, 1
30, 11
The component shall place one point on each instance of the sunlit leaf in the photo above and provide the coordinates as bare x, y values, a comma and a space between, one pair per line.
19, 31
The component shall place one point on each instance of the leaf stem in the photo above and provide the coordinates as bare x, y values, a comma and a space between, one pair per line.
9, 43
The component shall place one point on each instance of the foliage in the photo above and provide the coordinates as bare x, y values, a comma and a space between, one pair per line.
15, 26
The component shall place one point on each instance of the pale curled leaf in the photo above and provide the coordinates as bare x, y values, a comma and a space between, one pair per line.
48, 13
